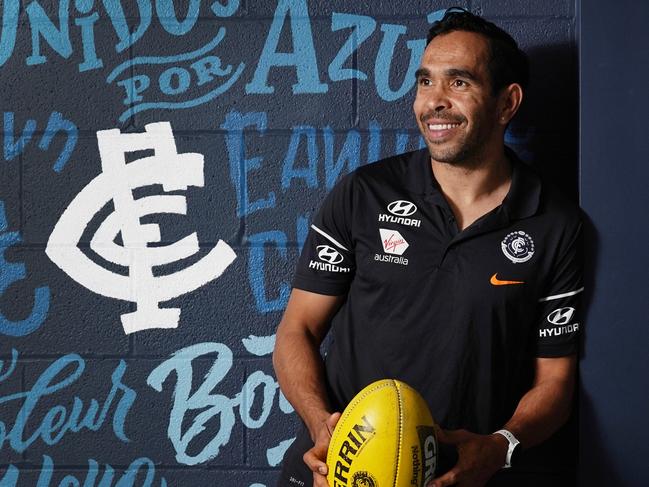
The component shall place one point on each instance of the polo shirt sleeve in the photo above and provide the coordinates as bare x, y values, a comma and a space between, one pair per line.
559, 318
327, 264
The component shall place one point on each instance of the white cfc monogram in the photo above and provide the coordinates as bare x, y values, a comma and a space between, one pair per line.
117, 181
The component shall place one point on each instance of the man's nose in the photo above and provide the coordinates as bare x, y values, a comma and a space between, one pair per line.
438, 98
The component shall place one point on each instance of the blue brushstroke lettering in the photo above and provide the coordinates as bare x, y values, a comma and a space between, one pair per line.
90, 60
401, 142
248, 395
127, 479
174, 76
374, 145
349, 154
303, 57
185, 104
235, 124
57, 124
227, 10
362, 28
384, 61
309, 173
134, 87
208, 67
11, 272
276, 455
203, 400
10, 12
303, 225
118, 19
255, 345
41, 25
14, 148
257, 274
56, 422
167, 15
205, 404
12, 366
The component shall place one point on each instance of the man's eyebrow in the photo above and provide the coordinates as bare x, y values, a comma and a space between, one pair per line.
421, 72
460, 73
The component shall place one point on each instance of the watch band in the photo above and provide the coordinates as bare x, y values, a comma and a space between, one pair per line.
513, 443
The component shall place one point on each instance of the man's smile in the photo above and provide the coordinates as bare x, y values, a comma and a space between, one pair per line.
439, 129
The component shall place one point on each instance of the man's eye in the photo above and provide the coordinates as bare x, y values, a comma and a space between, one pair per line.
459, 83
424, 81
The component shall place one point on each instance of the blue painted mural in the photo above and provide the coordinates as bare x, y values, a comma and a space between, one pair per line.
162, 162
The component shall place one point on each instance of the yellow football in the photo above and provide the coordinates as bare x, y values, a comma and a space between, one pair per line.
384, 438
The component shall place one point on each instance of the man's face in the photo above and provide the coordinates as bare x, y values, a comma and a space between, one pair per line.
455, 109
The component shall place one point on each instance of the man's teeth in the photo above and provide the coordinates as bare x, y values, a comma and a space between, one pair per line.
443, 126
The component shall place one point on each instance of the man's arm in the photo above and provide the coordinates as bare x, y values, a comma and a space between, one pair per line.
300, 369
540, 412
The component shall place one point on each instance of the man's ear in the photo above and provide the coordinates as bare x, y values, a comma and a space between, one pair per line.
509, 100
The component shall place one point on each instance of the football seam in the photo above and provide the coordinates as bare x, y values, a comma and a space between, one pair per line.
349, 408
400, 433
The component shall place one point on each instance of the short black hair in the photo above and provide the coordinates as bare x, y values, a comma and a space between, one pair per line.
507, 64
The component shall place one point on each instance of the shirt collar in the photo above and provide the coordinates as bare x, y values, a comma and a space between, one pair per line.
522, 200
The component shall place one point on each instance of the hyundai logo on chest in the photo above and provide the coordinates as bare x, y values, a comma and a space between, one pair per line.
400, 211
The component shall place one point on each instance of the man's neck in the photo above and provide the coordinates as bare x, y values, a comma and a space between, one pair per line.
472, 190
477, 180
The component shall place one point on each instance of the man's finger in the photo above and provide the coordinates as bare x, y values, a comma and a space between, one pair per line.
331, 422
449, 478
452, 437
313, 461
320, 480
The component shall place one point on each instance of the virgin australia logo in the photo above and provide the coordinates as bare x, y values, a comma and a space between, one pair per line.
117, 181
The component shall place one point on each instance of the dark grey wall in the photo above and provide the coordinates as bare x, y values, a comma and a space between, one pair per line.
197, 404
614, 174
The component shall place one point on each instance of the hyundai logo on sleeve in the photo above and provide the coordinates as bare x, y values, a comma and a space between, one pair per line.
330, 258
329, 254
561, 316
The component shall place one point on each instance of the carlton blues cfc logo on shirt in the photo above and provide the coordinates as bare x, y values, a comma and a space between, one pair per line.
518, 247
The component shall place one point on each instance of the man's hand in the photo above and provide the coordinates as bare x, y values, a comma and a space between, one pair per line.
479, 457
315, 457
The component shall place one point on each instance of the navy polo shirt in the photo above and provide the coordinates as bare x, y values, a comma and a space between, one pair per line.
459, 315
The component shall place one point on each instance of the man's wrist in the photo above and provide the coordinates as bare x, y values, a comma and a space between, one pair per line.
512, 444
316, 421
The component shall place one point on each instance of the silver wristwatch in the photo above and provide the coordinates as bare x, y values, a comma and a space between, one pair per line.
513, 445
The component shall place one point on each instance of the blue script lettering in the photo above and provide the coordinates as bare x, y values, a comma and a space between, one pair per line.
310, 173
10, 11
209, 405
11, 272
260, 243
41, 25
56, 124
303, 57
240, 167
127, 479
176, 80
384, 61
363, 27
58, 420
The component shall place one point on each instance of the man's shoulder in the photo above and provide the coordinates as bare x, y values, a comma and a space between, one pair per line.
555, 203
393, 169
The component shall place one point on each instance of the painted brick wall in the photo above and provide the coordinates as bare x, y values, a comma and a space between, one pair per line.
142, 276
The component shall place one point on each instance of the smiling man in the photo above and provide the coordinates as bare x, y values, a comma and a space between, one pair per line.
454, 269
